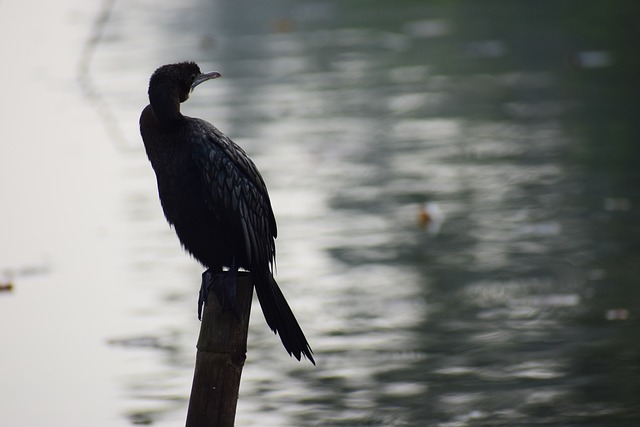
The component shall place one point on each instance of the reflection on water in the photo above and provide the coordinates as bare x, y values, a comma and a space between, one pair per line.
520, 309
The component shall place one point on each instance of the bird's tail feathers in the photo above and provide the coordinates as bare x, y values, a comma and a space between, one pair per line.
280, 318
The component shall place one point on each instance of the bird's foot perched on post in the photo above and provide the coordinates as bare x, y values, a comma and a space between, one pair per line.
224, 285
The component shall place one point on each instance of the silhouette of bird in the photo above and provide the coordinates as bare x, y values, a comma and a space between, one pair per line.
215, 199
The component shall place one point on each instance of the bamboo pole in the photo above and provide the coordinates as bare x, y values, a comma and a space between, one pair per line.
222, 350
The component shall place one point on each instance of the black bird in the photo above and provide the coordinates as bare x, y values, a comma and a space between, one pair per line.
215, 198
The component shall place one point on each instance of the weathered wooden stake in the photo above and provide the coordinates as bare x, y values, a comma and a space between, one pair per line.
222, 350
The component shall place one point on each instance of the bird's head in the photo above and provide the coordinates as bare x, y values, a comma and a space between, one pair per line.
178, 80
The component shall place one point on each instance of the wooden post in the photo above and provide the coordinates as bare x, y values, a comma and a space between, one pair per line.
222, 350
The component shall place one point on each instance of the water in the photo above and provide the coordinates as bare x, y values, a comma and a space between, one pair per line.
514, 124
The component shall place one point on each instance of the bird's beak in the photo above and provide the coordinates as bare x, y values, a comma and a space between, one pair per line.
204, 77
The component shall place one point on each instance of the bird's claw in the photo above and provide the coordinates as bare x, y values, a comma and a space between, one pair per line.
224, 286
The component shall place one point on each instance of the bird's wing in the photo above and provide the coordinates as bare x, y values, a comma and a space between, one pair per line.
236, 193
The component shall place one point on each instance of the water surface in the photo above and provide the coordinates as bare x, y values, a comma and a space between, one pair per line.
513, 123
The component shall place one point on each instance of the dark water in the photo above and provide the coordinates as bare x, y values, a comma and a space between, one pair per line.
515, 122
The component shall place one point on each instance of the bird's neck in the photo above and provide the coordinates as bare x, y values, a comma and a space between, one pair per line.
166, 108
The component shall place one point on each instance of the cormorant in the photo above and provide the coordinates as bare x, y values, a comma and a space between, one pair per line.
215, 198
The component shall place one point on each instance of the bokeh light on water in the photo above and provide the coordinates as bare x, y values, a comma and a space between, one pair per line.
511, 120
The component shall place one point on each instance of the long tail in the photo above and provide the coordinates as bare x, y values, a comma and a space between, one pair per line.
280, 318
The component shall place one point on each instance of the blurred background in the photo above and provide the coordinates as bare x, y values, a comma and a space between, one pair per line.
456, 184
